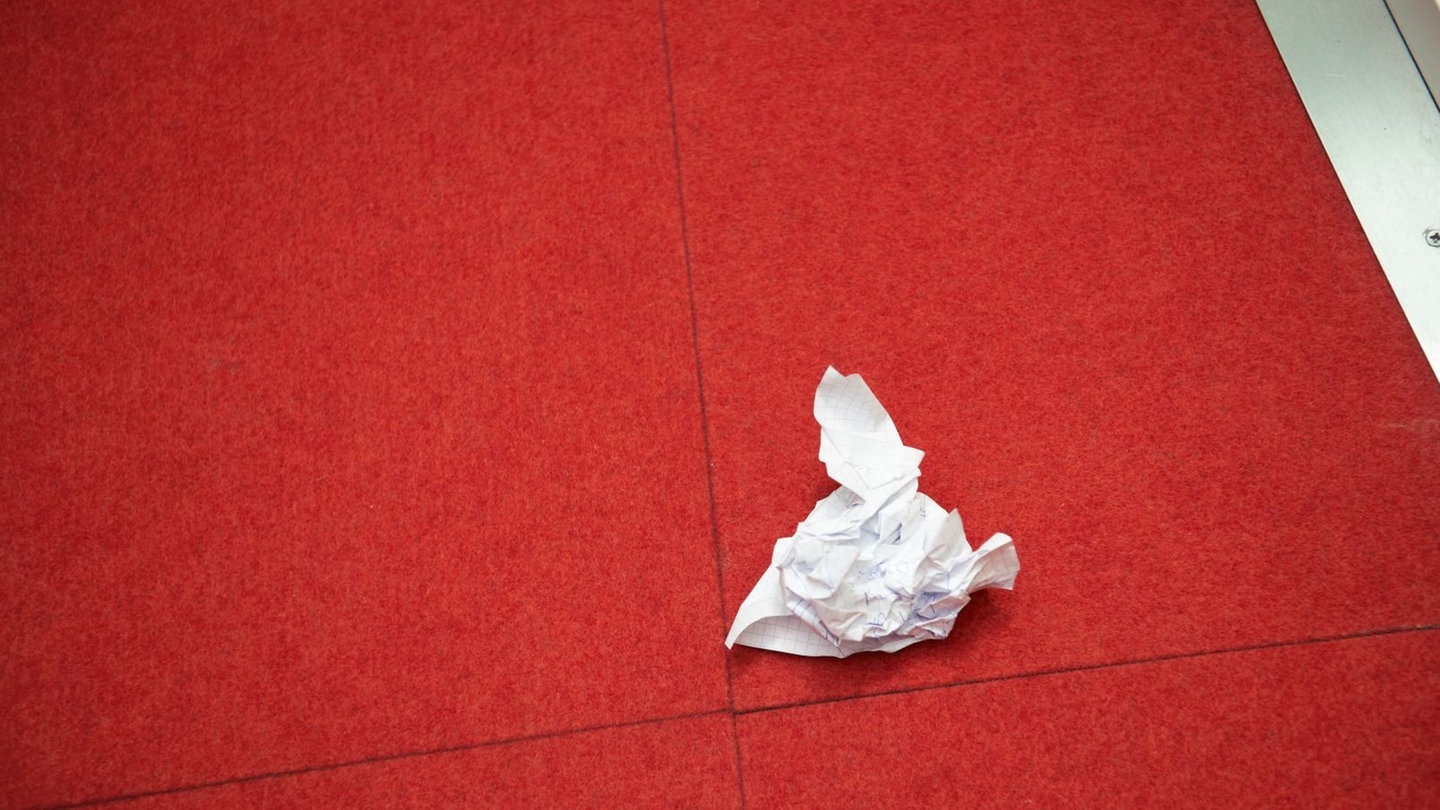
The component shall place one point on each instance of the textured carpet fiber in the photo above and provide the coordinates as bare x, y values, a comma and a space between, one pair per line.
396, 403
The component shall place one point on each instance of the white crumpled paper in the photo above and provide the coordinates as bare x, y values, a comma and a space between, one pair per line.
877, 565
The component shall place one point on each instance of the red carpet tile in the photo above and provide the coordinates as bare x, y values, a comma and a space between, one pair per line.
350, 397
1353, 723
352, 413
680, 763
1093, 260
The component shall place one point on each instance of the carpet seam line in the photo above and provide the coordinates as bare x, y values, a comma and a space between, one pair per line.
1120, 664
383, 758
732, 714
700, 386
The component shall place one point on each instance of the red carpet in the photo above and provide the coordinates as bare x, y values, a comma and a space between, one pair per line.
379, 406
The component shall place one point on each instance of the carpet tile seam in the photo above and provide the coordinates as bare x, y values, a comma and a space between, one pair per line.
734, 714
1116, 664
384, 758
700, 388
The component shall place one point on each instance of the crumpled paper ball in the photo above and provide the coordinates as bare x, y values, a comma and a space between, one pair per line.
877, 565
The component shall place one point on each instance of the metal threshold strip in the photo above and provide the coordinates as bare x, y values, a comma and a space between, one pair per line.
1370, 105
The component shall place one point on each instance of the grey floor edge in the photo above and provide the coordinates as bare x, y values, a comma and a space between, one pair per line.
1381, 130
